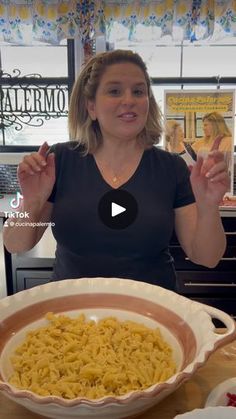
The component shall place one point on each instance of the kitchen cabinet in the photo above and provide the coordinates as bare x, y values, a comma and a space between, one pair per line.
28, 278
35, 266
27, 274
216, 286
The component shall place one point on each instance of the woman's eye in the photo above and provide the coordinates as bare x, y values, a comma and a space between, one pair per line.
138, 92
114, 92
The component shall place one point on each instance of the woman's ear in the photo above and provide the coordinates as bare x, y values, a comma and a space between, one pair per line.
91, 109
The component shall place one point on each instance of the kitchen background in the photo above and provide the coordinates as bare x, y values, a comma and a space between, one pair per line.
186, 45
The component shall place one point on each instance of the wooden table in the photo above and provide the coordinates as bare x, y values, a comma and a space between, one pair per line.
220, 366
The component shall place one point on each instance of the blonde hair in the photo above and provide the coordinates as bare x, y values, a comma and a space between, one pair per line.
81, 126
218, 124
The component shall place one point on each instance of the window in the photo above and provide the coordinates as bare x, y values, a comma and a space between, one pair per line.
204, 60
35, 85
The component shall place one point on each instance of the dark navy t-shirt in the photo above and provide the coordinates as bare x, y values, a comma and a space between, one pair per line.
88, 248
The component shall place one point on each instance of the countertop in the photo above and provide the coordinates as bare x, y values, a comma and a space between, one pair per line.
220, 366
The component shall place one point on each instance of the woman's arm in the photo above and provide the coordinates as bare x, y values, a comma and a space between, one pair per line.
198, 226
201, 235
21, 234
36, 175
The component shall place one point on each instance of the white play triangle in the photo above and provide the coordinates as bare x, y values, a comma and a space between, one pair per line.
116, 209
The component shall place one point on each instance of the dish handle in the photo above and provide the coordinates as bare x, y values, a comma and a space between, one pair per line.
229, 333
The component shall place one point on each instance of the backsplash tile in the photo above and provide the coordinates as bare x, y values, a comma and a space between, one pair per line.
9, 183
8, 179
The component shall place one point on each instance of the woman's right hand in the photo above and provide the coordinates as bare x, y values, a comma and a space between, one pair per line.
36, 175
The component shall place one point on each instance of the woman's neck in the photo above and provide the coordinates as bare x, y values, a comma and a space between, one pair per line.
115, 152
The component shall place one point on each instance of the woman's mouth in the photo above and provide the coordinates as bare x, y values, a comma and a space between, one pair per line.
128, 116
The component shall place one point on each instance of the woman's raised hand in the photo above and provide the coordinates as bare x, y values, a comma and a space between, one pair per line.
36, 175
210, 180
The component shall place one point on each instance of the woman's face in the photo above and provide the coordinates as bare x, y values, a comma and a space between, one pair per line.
177, 139
179, 134
207, 128
121, 104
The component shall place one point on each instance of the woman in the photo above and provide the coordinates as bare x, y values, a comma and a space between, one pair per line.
174, 137
175, 142
115, 122
217, 135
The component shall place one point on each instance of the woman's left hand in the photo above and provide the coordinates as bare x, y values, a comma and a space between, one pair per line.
209, 179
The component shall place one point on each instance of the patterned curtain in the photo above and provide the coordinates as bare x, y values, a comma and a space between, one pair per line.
21, 21
150, 20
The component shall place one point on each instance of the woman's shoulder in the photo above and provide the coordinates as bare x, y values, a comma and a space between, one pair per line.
63, 147
170, 160
170, 166
161, 153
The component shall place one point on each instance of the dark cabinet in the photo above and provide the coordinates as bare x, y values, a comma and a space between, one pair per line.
30, 272
27, 278
216, 287
34, 267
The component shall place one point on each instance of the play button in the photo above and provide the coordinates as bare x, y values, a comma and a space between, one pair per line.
117, 209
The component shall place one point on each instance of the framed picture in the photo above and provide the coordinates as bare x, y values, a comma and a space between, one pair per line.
199, 121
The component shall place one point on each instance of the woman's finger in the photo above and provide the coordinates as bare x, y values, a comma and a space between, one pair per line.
24, 168
39, 159
216, 155
196, 168
43, 149
50, 169
34, 161
213, 159
218, 167
221, 177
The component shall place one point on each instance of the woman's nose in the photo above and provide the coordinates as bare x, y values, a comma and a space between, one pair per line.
128, 97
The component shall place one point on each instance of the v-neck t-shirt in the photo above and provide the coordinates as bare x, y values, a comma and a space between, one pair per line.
88, 248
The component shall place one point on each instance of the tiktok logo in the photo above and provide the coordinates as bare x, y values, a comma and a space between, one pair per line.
12, 216
15, 202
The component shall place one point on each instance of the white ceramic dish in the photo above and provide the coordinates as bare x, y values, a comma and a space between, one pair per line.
218, 397
210, 413
185, 324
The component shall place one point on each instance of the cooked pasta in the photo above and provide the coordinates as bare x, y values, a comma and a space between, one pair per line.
72, 357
